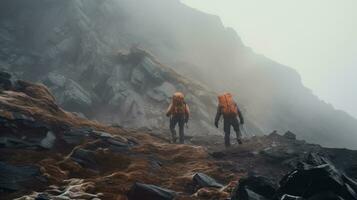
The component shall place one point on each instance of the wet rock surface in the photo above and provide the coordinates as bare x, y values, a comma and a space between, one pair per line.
255, 187
150, 192
202, 180
15, 178
314, 178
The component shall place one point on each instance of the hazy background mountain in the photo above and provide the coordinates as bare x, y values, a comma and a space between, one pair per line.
317, 38
72, 46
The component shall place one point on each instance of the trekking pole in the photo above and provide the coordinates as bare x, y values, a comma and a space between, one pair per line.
247, 132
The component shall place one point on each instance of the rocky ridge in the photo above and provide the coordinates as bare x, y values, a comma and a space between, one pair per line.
49, 153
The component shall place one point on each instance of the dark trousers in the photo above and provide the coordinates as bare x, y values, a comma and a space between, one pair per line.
180, 120
228, 122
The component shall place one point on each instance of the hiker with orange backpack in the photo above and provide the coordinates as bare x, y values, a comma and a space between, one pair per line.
230, 111
179, 113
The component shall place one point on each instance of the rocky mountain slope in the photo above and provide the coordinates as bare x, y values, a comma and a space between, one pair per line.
72, 47
49, 153
90, 75
44, 148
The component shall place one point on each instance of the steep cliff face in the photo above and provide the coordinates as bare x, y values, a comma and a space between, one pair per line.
83, 53
72, 46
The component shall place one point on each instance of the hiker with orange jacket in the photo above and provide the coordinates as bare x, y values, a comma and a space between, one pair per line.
230, 111
179, 113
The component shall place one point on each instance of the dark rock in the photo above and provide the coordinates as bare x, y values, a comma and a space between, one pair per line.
7, 142
141, 191
5, 82
5, 75
107, 140
43, 196
247, 194
22, 117
314, 159
218, 154
327, 195
85, 158
352, 183
101, 134
317, 180
202, 180
76, 136
290, 135
14, 178
254, 187
116, 145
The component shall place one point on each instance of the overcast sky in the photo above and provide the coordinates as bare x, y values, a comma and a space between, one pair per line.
318, 38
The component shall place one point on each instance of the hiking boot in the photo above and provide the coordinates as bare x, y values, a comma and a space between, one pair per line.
174, 140
239, 141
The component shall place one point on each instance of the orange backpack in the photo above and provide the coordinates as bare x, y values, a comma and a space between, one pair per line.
178, 104
229, 107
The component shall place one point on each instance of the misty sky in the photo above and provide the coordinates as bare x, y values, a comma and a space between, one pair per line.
318, 38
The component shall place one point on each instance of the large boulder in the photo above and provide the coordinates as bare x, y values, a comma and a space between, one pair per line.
317, 178
316, 181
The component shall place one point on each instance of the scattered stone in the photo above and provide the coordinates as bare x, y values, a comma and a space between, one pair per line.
85, 158
73, 189
49, 140
202, 180
141, 191
254, 187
